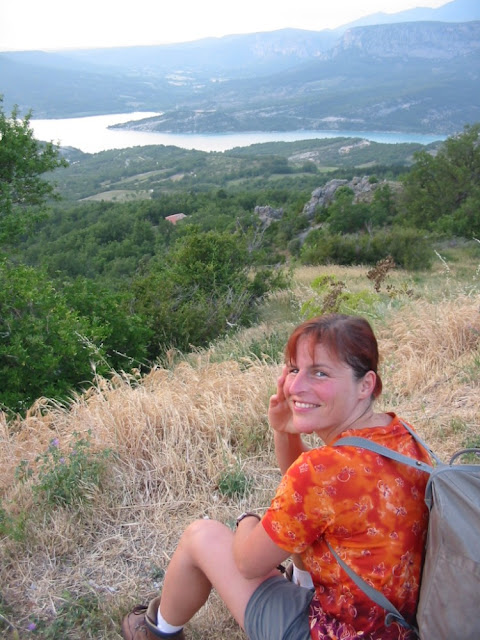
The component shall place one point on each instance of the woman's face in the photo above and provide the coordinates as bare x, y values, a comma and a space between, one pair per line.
322, 392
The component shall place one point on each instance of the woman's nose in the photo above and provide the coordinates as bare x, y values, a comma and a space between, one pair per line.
297, 382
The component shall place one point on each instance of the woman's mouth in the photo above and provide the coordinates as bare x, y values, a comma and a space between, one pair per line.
304, 405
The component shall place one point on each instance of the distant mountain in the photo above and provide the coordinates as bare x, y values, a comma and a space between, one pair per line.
234, 56
456, 11
401, 75
429, 40
421, 77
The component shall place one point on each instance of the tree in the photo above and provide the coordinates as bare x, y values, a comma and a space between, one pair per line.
343, 215
23, 159
444, 188
46, 347
203, 289
383, 208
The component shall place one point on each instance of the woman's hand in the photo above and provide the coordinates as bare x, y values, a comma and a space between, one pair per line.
288, 442
279, 413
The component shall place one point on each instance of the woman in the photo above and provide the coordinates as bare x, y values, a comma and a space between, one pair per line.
368, 508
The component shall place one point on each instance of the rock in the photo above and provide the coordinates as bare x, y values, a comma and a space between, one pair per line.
268, 214
362, 188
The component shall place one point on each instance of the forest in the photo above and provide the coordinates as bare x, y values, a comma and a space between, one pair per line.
95, 280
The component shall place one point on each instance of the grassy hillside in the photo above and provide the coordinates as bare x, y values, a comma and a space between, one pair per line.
85, 534
146, 172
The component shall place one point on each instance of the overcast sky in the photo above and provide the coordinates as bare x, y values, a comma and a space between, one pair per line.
62, 24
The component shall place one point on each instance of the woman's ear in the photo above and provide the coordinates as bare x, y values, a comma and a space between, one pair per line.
367, 384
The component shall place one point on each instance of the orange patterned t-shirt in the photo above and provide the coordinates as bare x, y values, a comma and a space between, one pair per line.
372, 511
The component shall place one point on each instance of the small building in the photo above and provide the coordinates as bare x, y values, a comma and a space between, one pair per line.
175, 217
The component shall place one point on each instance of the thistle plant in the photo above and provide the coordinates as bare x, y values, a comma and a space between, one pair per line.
66, 478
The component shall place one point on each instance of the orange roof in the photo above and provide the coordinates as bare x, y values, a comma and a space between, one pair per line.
175, 217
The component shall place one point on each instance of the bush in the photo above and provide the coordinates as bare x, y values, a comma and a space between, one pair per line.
66, 478
322, 247
410, 249
46, 348
204, 291
332, 296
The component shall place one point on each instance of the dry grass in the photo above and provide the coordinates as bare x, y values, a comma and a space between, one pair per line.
173, 433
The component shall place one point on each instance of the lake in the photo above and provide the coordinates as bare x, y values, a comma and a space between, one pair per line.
91, 135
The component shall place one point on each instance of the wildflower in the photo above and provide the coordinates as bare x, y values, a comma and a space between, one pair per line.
32, 626
55, 442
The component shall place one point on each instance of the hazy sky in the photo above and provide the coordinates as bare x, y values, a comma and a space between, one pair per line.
62, 24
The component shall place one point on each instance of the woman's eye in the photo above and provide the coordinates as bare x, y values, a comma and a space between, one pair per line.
292, 370
319, 374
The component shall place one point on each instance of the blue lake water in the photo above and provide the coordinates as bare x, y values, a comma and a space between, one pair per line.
91, 135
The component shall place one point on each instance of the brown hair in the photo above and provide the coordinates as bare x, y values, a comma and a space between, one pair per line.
349, 338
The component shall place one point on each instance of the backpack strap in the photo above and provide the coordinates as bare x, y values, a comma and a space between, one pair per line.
371, 445
364, 443
377, 596
421, 441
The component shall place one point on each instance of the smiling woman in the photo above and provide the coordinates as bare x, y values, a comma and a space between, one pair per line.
369, 509
331, 379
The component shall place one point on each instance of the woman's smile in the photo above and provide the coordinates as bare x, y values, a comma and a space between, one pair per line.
304, 405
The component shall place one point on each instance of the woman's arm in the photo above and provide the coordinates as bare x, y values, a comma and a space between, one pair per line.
254, 552
288, 446
288, 442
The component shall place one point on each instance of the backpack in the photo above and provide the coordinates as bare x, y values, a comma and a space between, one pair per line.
449, 598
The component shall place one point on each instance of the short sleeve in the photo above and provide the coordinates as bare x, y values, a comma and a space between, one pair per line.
302, 508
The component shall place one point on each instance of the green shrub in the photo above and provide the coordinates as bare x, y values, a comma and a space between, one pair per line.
333, 297
67, 478
322, 247
13, 526
46, 348
411, 249
79, 617
233, 482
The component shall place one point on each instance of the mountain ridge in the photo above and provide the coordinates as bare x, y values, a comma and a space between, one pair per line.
401, 76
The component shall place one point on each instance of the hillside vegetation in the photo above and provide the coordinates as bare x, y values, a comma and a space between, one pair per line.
95, 285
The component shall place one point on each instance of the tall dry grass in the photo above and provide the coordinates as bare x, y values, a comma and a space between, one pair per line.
174, 432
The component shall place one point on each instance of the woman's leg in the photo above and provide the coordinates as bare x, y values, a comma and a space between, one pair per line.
202, 560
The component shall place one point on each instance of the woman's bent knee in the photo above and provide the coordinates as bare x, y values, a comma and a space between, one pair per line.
202, 536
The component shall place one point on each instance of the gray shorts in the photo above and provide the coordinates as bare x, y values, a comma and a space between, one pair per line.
278, 610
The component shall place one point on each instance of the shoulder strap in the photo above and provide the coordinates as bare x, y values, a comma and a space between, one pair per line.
377, 596
370, 445
421, 441
364, 443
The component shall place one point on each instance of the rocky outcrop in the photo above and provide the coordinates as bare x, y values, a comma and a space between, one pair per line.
268, 214
428, 40
362, 188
